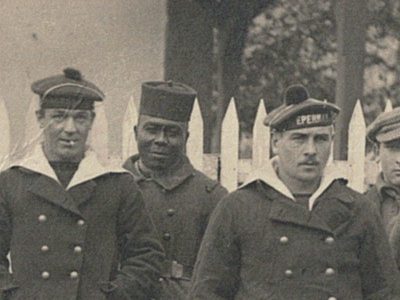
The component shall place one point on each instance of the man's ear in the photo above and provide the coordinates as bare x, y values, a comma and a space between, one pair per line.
187, 136
275, 137
40, 117
375, 150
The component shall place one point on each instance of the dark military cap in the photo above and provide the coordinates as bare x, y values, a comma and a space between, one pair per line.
301, 111
69, 90
167, 100
386, 127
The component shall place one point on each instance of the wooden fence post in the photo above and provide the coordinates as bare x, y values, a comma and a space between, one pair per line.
5, 134
230, 148
98, 138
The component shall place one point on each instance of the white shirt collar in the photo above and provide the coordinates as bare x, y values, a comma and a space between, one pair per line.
269, 176
89, 167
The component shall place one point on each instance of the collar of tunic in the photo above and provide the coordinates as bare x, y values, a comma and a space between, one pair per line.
168, 180
89, 167
386, 189
269, 176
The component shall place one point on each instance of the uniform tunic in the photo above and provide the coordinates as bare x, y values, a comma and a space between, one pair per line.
180, 204
261, 244
92, 240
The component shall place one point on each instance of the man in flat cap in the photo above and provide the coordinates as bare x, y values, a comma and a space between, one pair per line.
75, 229
179, 198
384, 132
294, 230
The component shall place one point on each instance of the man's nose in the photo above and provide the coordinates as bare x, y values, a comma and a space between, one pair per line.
69, 125
161, 138
310, 148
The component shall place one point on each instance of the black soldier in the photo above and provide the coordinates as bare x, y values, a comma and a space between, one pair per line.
179, 198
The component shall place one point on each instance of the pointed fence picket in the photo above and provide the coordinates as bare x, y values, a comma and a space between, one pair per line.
261, 139
129, 146
388, 106
194, 145
230, 148
356, 148
98, 138
5, 133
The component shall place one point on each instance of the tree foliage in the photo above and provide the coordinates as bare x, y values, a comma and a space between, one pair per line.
295, 42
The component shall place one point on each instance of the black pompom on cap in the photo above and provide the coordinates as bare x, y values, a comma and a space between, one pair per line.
296, 94
72, 74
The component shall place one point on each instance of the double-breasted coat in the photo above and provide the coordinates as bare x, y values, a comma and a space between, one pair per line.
180, 204
92, 240
261, 244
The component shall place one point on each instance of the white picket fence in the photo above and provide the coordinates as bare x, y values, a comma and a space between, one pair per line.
227, 164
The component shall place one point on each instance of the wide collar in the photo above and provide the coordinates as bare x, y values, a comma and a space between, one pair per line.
168, 180
269, 176
89, 167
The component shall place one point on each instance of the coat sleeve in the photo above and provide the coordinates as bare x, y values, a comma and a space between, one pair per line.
216, 271
7, 283
379, 275
141, 252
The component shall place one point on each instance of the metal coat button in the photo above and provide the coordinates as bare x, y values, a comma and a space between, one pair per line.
74, 275
77, 249
329, 240
170, 212
42, 218
80, 222
332, 298
329, 272
288, 273
284, 240
44, 248
45, 275
166, 236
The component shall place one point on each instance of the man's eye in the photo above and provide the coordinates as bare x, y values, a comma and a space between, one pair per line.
58, 117
151, 129
173, 132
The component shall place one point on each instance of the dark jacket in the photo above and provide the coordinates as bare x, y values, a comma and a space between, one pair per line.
260, 244
180, 204
93, 240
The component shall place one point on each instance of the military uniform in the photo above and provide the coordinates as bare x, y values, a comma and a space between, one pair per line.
180, 205
260, 244
74, 229
179, 198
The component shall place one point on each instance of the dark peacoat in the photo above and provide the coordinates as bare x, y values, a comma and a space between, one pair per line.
93, 240
180, 204
260, 244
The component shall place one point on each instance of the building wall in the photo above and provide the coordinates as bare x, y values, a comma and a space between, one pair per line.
117, 44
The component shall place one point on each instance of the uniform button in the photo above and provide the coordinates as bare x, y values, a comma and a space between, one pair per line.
329, 240
284, 240
77, 249
160, 279
80, 222
332, 298
166, 236
329, 272
164, 191
44, 248
73, 275
45, 275
288, 273
42, 218
170, 212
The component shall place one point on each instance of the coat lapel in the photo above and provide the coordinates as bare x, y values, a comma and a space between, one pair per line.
45, 188
83, 192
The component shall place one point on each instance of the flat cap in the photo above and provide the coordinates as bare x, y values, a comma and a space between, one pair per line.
300, 111
167, 100
386, 127
66, 91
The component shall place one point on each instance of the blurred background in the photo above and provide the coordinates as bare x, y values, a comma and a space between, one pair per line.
341, 50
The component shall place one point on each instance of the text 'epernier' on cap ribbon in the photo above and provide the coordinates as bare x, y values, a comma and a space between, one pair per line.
386, 127
300, 111
68, 90
167, 100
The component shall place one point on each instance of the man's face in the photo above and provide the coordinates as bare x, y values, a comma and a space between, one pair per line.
389, 154
161, 142
65, 132
303, 153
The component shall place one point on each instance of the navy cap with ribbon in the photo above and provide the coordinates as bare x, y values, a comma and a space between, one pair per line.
300, 111
68, 90
386, 127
